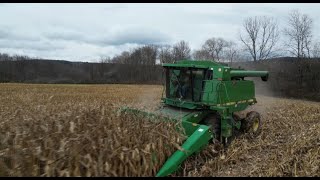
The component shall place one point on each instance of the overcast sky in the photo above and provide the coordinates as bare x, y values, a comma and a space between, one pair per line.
84, 32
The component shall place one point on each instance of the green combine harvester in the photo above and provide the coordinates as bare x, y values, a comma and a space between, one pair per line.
205, 97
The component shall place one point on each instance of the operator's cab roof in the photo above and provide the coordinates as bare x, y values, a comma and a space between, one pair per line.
193, 64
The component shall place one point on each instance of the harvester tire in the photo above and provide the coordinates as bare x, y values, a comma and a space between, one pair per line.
236, 117
251, 125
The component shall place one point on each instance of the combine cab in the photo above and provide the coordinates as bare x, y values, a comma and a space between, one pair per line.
204, 96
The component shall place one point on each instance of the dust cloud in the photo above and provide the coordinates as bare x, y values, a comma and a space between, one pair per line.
149, 99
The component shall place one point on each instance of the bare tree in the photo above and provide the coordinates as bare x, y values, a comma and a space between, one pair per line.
299, 32
260, 37
123, 58
316, 50
148, 55
201, 55
181, 50
231, 53
208, 49
5, 57
214, 48
221, 44
105, 59
166, 54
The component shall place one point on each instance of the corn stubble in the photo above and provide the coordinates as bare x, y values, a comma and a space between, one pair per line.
70, 131
289, 144
75, 130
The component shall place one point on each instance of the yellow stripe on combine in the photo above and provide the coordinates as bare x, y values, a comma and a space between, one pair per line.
232, 103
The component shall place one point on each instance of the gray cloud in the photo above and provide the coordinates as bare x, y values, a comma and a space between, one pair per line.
130, 35
29, 45
4, 34
7, 33
139, 38
136, 36
65, 35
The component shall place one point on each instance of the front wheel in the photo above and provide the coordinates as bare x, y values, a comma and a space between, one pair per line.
252, 124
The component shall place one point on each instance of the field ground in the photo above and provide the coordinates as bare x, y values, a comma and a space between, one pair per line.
75, 130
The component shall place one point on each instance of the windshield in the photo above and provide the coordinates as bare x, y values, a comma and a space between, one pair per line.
184, 83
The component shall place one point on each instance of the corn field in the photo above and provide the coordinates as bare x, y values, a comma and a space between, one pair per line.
77, 130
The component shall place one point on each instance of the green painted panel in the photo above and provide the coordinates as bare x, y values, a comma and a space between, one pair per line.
221, 92
233, 91
196, 141
190, 121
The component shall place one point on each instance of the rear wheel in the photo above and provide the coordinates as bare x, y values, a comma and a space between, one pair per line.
252, 124
236, 117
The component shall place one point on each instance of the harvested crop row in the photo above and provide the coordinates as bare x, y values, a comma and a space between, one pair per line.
71, 131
